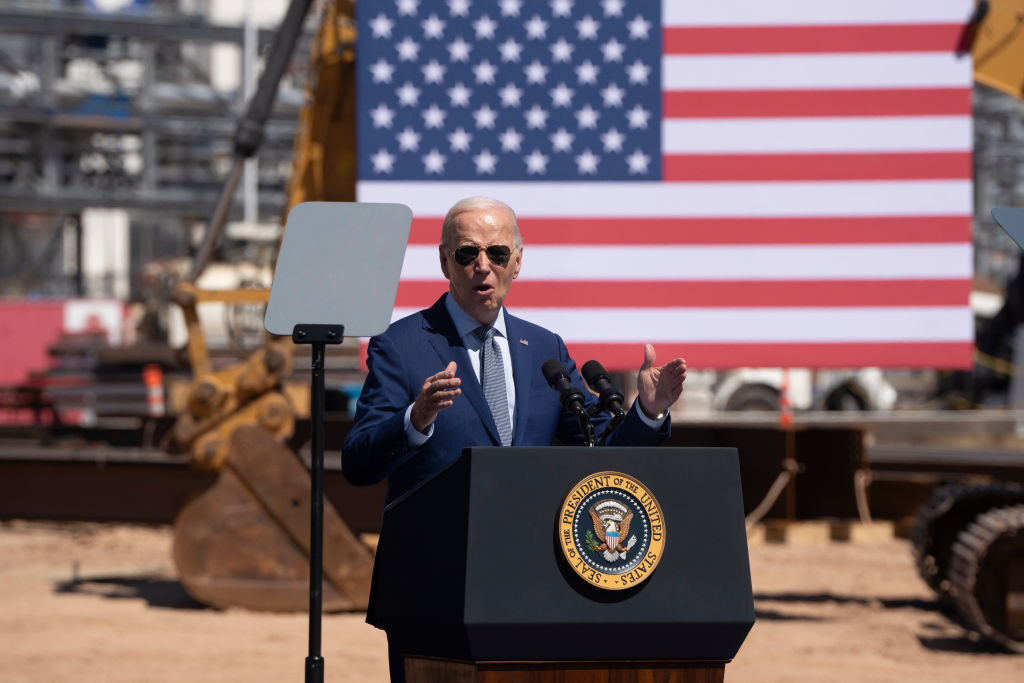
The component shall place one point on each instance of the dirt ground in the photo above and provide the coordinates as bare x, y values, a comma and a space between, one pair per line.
88, 602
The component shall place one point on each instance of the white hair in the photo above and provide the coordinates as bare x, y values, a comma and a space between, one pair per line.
477, 204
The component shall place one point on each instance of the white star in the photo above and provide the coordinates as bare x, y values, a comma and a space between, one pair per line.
407, 7
510, 95
561, 95
587, 117
638, 162
561, 51
510, 140
382, 116
383, 161
460, 139
458, 50
536, 163
587, 72
408, 140
510, 8
613, 50
485, 117
459, 95
484, 27
612, 8
433, 161
510, 50
612, 140
381, 27
433, 27
587, 162
639, 27
408, 49
433, 117
638, 72
485, 72
536, 28
408, 95
561, 140
612, 95
485, 162
561, 8
433, 72
535, 72
587, 28
536, 117
382, 71
458, 8
638, 117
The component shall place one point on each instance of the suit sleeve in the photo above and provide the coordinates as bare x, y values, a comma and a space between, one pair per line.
377, 444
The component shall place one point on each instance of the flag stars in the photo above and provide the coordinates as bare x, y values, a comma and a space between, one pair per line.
638, 72
408, 140
586, 163
613, 95
638, 162
612, 8
433, 117
485, 27
433, 72
408, 95
433, 162
511, 140
408, 49
613, 50
381, 26
638, 117
639, 28
382, 71
485, 117
459, 95
536, 163
382, 116
484, 72
459, 140
561, 140
407, 7
536, 28
536, 117
459, 49
383, 161
561, 8
587, 117
433, 27
510, 8
510, 50
485, 162
536, 72
612, 140
587, 27
458, 8
561, 50
510, 95
586, 73
561, 95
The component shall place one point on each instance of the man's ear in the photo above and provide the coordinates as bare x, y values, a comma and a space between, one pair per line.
518, 262
443, 255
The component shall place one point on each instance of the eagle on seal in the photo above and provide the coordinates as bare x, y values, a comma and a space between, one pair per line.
610, 533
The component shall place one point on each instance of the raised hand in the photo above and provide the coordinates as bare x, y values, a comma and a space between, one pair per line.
437, 393
659, 387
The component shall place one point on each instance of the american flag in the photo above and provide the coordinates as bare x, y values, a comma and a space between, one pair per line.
740, 182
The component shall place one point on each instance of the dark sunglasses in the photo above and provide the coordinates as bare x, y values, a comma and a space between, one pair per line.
498, 254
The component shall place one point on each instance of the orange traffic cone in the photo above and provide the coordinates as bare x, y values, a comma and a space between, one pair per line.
153, 378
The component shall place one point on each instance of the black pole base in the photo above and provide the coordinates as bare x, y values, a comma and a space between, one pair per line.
315, 669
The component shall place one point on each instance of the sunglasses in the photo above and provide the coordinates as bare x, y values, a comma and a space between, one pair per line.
499, 254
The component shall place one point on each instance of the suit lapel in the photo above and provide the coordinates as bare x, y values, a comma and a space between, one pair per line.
448, 345
522, 363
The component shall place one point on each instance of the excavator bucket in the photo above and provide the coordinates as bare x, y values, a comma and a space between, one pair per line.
997, 44
244, 542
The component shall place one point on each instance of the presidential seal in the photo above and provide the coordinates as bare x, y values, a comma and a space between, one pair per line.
611, 530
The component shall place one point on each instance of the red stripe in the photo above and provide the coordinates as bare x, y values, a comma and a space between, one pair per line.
724, 294
778, 103
781, 167
811, 39
627, 357
747, 231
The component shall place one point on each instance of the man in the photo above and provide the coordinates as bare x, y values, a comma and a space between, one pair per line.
466, 373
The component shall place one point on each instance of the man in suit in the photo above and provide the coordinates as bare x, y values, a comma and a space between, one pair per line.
467, 373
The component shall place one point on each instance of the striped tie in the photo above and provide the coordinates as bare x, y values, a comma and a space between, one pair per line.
492, 378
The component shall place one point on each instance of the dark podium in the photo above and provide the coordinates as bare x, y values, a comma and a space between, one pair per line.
472, 583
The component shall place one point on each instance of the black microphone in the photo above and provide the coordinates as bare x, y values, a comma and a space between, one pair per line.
597, 379
558, 378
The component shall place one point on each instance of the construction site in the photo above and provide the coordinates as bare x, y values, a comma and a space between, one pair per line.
156, 441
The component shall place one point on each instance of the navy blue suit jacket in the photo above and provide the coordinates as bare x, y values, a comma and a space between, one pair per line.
423, 344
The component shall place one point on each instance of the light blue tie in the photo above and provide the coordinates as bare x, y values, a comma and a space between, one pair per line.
492, 379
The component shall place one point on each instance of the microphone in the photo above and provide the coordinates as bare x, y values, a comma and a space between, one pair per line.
609, 399
558, 379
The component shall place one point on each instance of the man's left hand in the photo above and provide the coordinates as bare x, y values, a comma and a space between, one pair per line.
659, 387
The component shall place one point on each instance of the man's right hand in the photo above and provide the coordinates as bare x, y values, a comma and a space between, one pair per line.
437, 394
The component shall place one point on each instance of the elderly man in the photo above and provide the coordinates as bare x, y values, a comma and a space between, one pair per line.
466, 373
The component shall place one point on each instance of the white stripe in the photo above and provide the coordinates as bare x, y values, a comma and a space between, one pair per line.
752, 325
813, 12
808, 72
659, 200
702, 263
870, 134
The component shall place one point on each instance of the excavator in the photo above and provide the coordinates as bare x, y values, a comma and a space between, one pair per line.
244, 541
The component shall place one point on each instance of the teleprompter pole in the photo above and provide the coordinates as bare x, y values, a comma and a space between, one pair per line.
317, 336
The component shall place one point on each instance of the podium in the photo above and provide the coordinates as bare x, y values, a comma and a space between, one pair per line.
472, 582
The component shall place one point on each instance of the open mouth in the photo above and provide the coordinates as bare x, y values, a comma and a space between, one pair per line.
484, 289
